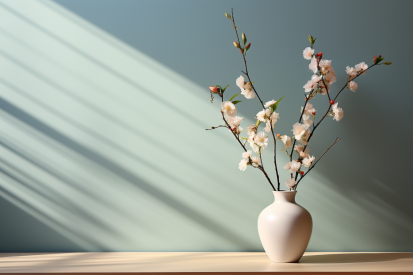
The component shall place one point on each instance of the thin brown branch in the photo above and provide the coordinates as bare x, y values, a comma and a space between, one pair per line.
256, 93
216, 127
261, 167
314, 163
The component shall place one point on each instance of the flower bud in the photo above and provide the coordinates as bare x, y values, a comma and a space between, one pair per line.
213, 89
331, 102
374, 59
236, 45
313, 113
244, 38
241, 50
319, 55
302, 173
248, 46
278, 135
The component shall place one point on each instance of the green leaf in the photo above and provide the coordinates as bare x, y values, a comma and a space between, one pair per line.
387, 63
379, 59
236, 102
275, 106
312, 40
218, 86
223, 90
233, 97
244, 138
228, 16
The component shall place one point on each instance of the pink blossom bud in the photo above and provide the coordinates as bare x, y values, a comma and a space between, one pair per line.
213, 89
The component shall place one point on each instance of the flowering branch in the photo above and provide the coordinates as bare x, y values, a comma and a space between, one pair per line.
329, 107
303, 130
261, 167
243, 50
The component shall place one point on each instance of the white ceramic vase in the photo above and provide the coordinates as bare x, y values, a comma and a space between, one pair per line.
285, 228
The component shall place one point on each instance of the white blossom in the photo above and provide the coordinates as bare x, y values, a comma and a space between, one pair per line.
248, 93
274, 117
246, 88
228, 108
264, 115
361, 67
325, 66
234, 121
353, 86
293, 166
247, 155
286, 140
351, 72
337, 112
300, 148
243, 164
240, 82
308, 53
261, 139
313, 64
331, 76
270, 103
252, 129
307, 122
290, 183
308, 160
301, 132
251, 140
309, 109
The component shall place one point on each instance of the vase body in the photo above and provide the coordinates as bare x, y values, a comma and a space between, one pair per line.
285, 228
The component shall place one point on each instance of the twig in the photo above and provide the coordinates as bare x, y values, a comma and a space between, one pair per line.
256, 93
215, 127
312, 166
261, 167
329, 107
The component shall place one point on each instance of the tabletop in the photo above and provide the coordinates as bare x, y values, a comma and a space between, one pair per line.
204, 262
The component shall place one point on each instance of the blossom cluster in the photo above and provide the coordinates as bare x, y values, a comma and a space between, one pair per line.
302, 131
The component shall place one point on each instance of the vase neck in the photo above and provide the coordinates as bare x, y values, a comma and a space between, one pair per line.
284, 196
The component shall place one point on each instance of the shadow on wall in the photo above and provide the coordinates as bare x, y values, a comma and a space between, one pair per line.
55, 164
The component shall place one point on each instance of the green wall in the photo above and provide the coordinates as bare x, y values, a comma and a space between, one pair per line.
104, 105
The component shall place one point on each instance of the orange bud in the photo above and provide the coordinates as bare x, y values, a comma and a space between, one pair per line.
248, 46
278, 135
213, 89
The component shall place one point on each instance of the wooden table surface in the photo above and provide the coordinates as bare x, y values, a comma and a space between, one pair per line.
199, 262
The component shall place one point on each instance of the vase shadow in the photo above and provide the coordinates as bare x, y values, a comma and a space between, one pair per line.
353, 258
